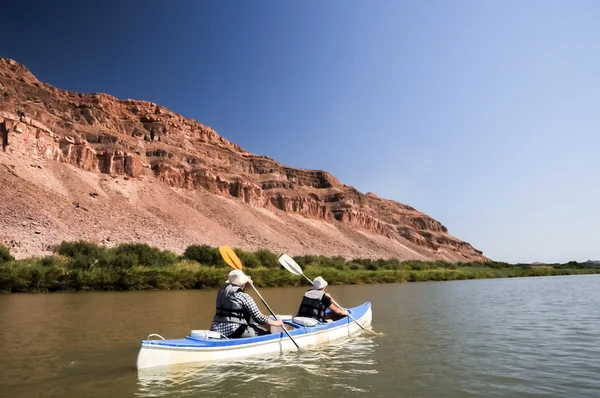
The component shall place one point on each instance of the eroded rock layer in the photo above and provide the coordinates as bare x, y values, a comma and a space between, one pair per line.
138, 143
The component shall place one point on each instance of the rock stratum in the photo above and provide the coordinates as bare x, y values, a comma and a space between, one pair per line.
91, 166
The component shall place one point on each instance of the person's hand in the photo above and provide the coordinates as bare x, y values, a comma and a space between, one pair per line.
278, 322
250, 282
345, 313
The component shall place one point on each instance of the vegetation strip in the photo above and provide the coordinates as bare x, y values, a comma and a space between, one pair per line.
77, 266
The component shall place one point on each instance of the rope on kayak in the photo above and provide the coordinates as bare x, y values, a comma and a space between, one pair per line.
154, 334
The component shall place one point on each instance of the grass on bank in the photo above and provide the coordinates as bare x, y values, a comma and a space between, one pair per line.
77, 266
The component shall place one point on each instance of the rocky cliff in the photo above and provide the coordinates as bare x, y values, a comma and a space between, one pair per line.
138, 143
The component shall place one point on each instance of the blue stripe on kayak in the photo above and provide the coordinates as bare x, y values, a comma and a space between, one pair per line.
356, 312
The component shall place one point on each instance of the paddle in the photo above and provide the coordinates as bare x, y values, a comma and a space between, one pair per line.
292, 266
233, 260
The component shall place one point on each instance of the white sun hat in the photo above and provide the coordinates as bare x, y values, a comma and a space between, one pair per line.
237, 277
319, 283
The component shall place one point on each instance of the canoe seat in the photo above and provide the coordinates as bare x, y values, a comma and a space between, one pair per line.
205, 334
304, 321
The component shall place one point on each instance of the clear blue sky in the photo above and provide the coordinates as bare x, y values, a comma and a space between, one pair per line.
485, 115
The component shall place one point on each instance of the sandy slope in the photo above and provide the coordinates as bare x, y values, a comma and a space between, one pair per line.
44, 202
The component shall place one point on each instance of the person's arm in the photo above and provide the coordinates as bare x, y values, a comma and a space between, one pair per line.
335, 308
251, 307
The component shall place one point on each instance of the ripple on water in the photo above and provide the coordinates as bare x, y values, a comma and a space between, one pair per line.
529, 337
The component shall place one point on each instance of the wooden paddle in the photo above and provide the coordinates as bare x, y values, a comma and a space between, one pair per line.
233, 260
292, 266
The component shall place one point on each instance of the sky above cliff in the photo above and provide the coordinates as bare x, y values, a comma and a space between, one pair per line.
484, 115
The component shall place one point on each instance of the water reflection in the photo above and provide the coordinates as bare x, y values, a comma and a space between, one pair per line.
334, 367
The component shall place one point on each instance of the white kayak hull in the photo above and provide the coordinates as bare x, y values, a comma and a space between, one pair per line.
157, 353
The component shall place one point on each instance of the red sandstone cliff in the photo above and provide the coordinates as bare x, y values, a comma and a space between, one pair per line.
155, 156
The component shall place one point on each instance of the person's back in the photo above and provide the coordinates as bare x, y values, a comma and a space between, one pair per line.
235, 309
230, 309
315, 303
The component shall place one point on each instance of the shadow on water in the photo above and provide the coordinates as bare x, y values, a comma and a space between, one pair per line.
333, 368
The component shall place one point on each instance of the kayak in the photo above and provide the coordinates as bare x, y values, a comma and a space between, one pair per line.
205, 346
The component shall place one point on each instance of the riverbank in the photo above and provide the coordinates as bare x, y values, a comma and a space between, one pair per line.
81, 266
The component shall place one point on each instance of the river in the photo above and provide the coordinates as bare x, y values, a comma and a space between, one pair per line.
523, 337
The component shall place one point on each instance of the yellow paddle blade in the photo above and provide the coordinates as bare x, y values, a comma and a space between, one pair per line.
230, 257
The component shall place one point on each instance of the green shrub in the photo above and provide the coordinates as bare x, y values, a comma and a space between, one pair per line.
204, 254
5, 255
303, 261
337, 262
248, 259
142, 254
80, 248
50, 261
123, 260
211, 277
85, 255
267, 258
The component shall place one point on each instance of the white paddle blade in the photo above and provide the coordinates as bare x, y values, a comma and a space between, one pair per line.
289, 264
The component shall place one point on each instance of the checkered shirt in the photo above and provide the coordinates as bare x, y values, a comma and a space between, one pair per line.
227, 328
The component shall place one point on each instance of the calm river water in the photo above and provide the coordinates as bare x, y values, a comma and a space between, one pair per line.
529, 337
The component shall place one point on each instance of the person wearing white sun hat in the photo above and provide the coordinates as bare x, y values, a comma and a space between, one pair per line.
315, 302
235, 308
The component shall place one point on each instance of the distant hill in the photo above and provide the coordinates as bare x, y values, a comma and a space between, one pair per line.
90, 166
588, 262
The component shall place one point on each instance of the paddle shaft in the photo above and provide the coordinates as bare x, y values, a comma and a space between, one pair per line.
339, 306
272, 313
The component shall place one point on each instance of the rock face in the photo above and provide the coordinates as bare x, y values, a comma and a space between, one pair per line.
143, 141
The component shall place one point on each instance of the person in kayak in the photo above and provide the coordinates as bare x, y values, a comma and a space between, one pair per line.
235, 308
315, 302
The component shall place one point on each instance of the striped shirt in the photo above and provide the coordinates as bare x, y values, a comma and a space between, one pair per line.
227, 328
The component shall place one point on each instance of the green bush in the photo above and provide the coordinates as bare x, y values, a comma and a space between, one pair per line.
204, 254
85, 255
211, 276
50, 261
142, 254
248, 259
5, 255
123, 260
267, 258
80, 248
303, 261
337, 262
